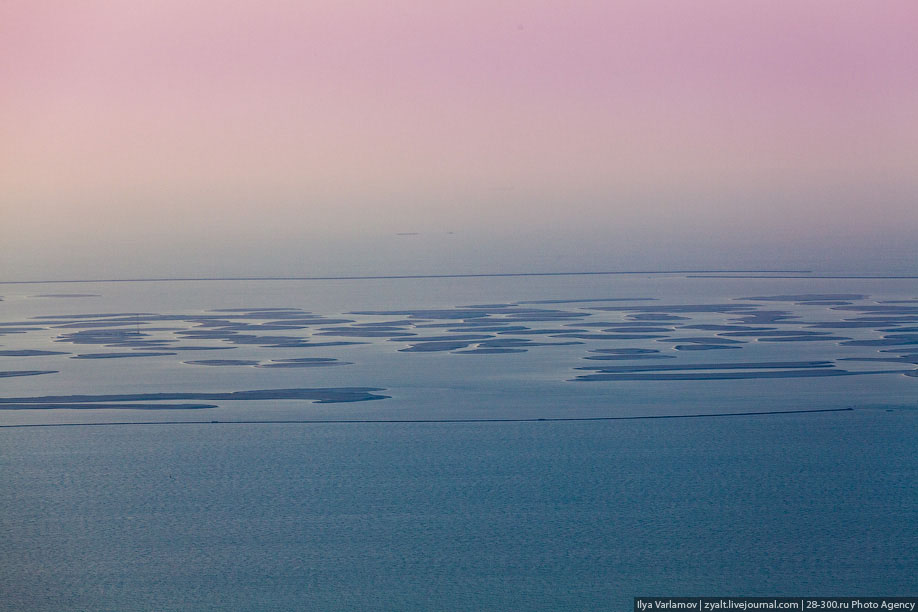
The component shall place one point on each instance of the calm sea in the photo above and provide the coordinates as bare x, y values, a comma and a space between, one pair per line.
493, 443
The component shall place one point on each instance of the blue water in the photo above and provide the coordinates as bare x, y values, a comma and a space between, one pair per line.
538, 515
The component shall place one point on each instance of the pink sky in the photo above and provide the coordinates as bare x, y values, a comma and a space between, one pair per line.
343, 119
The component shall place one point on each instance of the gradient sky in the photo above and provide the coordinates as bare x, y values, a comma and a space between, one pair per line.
282, 137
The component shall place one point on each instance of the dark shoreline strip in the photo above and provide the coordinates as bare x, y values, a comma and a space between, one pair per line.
135, 406
865, 277
396, 276
397, 421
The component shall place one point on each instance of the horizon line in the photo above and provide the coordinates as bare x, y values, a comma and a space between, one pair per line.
391, 276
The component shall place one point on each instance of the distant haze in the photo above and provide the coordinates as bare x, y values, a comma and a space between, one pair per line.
277, 137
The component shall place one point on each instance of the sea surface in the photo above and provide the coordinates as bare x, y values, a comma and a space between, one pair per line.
537, 442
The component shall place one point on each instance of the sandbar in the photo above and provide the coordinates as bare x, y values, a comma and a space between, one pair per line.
432, 347
608, 336
704, 347
117, 355
800, 338
712, 366
320, 395
10, 374
304, 362
728, 375
490, 351
808, 297
115, 406
223, 362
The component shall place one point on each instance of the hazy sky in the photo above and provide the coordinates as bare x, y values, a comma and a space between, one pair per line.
300, 137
